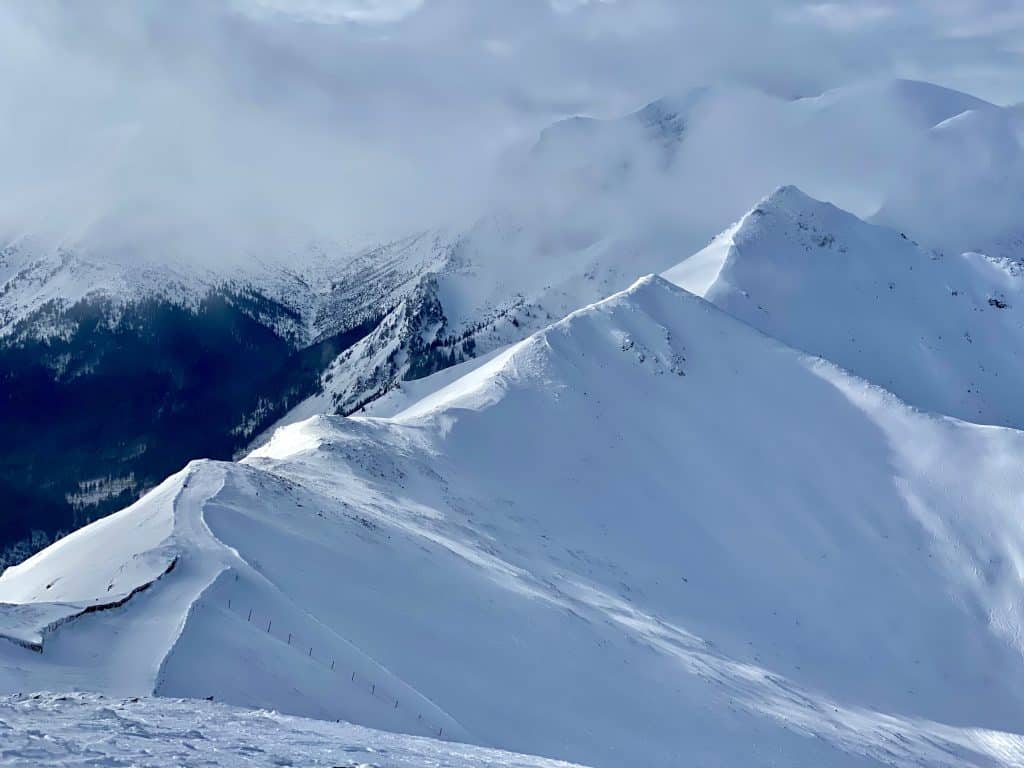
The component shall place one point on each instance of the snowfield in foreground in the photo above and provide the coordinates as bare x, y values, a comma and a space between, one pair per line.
89, 729
648, 534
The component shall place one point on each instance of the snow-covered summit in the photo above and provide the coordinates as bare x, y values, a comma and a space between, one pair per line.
595, 202
942, 332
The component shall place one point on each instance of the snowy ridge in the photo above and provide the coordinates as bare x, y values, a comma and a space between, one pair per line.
317, 291
631, 536
144, 658
942, 332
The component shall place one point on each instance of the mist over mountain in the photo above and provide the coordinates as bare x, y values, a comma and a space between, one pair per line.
626, 382
211, 131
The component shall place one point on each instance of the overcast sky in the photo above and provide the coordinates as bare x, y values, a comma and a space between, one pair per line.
352, 115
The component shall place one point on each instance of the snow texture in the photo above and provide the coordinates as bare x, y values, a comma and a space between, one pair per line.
90, 729
648, 533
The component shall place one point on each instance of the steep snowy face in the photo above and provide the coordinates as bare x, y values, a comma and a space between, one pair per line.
502, 283
963, 187
942, 331
715, 547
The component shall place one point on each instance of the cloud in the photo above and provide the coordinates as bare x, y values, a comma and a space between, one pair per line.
840, 16
333, 11
259, 121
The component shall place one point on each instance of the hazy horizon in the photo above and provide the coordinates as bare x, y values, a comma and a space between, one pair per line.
223, 127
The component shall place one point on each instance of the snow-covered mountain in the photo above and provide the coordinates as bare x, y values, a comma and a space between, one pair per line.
648, 533
597, 202
116, 372
942, 331
152, 345
315, 292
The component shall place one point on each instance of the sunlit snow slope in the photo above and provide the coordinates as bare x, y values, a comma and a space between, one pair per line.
944, 332
648, 535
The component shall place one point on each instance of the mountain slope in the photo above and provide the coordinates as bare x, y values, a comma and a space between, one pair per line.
124, 371
646, 533
150, 338
942, 332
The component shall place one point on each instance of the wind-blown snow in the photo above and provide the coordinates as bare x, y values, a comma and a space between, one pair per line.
646, 534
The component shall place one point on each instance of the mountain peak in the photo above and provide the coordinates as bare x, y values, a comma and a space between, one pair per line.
791, 208
788, 197
872, 300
